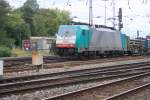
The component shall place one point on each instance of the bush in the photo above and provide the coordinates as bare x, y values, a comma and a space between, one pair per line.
5, 51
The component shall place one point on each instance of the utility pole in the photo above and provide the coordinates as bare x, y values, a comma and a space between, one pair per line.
113, 1
90, 13
105, 13
138, 33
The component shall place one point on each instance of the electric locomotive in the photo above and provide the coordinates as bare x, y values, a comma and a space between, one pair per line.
89, 41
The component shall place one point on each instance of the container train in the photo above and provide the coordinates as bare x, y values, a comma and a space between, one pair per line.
83, 40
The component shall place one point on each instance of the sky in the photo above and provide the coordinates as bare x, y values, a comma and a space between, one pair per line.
136, 13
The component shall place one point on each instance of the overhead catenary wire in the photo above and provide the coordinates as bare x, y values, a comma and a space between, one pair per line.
71, 3
67, 3
53, 2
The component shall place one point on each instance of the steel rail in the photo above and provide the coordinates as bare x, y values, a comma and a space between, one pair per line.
121, 95
56, 59
8, 62
88, 70
98, 73
78, 93
41, 84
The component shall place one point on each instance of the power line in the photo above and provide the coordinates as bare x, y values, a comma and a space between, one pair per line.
67, 3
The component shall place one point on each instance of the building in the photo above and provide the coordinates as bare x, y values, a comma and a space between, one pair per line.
42, 43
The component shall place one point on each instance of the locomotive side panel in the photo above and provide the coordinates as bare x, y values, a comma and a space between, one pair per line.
105, 40
124, 41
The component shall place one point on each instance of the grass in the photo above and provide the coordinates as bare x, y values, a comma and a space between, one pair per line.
21, 53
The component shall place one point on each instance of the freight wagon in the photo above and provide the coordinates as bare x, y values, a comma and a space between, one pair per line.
136, 46
147, 45
87, 41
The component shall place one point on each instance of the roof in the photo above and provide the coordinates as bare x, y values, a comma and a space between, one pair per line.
34, 38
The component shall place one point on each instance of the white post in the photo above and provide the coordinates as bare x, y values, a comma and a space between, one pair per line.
1, 68
37, 58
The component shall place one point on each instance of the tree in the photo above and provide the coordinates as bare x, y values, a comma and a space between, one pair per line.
30, 8
17, 28
28, 20
47, 21
13, 28
4, 16
4, 11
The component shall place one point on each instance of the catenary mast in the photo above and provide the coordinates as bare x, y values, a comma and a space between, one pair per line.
90, 13
113, 1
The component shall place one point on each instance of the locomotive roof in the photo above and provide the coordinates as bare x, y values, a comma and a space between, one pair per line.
85, 27
96, 25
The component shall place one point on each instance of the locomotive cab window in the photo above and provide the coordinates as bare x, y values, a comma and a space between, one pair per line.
66, 31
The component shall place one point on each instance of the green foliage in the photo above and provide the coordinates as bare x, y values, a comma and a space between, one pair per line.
29, 8
4, 11
4, 40
5, 51
28, 20
17, 28
47, 21
4, 18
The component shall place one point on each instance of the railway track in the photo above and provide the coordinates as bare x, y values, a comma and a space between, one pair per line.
59, 62
12, 86
24, 64
111, 91
126, 95
88, 70
8, 62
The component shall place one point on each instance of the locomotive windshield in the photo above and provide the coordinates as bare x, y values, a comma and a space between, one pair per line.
66, 31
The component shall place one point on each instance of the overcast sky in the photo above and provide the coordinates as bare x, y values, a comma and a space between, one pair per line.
136, 14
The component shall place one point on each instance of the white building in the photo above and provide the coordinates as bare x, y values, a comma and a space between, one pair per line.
42, 43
